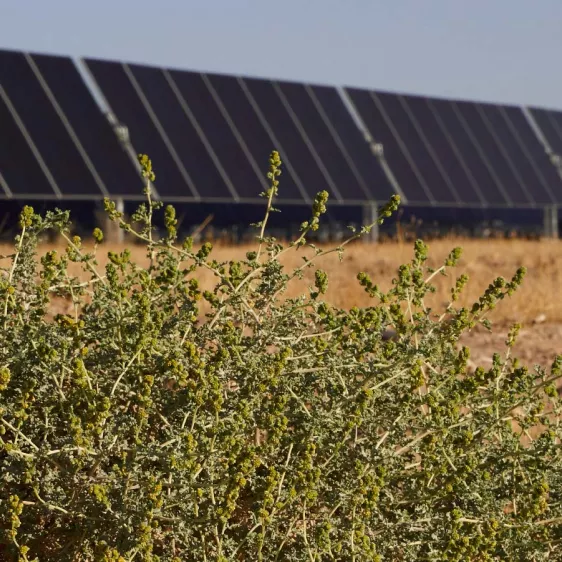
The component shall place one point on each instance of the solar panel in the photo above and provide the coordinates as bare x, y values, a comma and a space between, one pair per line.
352, 143
292, 145
182, 132
18, 165
556, 118
451, 160
495, 156
426, 161
93, 131
252, 131
521, 161
396, 154
535, 150
244, 173
144, 132
447, 112
548, 127
45, 127
323, 139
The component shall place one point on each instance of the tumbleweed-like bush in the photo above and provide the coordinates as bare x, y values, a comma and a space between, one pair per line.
269, 429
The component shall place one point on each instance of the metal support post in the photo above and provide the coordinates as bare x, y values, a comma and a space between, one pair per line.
370, 217
550, 218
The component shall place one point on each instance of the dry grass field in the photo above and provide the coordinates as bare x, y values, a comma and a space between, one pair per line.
536, 305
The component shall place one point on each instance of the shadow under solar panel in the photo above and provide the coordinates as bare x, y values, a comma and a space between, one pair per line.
323, 142
510, 138
45, 127
126, 104
91, 127
292, 144
450, 158
356, 149
395, 152
18, 165
448, 115
247, 181
254, 134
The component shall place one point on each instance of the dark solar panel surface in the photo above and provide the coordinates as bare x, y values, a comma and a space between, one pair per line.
292, 143
535, 151
359, 152
395, 153
495, 155
521, 161
126, 104
182, 133
423, 159
323, 141
556, 119
443, 146
254, 134
17, 162
45, 127
90, 125
456, 128
548, 128
550, 123
197, 95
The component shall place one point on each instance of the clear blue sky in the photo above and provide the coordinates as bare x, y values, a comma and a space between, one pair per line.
496, 50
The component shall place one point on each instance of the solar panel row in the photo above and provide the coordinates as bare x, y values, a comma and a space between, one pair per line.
210, 136
461, 153
55, 141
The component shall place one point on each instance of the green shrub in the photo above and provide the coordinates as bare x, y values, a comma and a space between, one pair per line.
274, 429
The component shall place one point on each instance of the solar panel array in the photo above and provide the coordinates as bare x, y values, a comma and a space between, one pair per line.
210, 136
460, 153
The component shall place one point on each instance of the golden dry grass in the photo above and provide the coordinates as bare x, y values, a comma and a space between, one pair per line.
482, 260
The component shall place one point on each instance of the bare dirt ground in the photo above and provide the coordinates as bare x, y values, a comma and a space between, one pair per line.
536, 305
